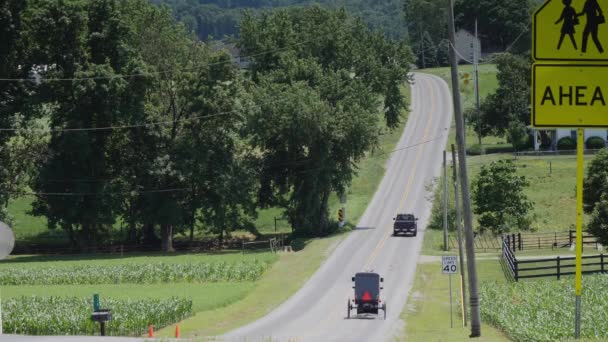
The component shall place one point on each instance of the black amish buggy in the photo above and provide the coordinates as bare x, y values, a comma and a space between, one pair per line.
367, 294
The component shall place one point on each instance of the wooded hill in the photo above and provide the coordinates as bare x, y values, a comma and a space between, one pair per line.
219, 18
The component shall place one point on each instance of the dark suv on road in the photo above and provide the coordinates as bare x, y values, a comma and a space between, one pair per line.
405, 224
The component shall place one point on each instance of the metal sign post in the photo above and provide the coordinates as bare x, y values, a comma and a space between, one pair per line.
449, 266
569, 89
578, 282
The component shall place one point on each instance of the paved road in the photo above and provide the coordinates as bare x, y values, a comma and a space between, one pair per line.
317, 312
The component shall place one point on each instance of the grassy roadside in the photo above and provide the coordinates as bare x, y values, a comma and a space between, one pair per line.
488, 83
552, 189
428, 310
284, 278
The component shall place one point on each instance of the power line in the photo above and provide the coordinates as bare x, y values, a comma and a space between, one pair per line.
22, 193
27, 193
108, 128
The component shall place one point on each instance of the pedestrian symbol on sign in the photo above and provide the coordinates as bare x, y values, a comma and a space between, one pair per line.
569, 30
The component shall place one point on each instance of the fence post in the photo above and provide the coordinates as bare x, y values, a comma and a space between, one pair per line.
602, 261
558, 268
516, 269
570, 237
555, 240
520, 245
539, 242
513, 237
242, 247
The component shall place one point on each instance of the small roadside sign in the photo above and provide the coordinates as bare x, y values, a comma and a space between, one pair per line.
566, 30
449, 264
568, 95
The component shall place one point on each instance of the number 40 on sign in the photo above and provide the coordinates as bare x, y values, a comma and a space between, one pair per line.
449, 264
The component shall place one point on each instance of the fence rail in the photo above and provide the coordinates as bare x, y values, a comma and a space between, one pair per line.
526, 241
554, 240
548, 267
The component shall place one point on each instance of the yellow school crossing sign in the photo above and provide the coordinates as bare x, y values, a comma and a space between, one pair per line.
570, 87
570, 30
569, 77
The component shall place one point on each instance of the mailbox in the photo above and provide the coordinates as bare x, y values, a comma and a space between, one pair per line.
102, 316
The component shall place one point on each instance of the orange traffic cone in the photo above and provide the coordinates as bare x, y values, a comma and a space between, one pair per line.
177, 331
151, 331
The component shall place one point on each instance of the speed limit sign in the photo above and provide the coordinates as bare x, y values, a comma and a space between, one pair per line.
449, 264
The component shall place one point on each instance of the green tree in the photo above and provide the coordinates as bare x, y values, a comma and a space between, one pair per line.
512, 98
427, 27
500, 23
13, 95
517, 134
596, 181
318, 96
499, 198
86, 41
198, 93
598, 224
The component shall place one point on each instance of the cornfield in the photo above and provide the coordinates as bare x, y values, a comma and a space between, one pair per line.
135, 273
544, 310
71, 316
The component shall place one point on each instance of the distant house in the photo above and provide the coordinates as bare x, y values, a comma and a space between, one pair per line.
467, 46
234, 51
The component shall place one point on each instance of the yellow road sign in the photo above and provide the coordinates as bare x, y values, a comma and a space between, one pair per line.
570, 30
566, 95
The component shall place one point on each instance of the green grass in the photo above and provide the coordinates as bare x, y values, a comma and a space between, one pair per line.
45, 261
488, 83
268, 293
26, 226
552, 189
428, 310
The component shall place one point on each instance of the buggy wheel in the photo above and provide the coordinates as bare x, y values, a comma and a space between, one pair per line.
415, 232
384, 309
348, 308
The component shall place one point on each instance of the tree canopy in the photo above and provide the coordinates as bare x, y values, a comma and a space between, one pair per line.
118, 116
319, 104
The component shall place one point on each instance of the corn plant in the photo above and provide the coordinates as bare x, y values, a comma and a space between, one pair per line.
71, 315
134, 273
544, 310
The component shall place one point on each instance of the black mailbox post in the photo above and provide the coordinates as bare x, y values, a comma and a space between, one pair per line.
102, 316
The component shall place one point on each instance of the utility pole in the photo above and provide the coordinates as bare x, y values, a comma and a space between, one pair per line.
422, 47
476, 60
459, 229
464, 184
445, 202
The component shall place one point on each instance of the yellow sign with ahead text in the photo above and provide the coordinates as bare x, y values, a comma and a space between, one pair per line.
566, 95
571, 30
